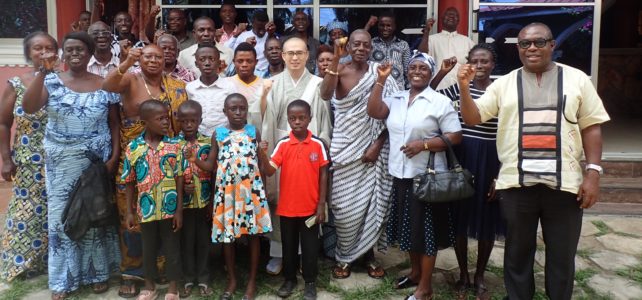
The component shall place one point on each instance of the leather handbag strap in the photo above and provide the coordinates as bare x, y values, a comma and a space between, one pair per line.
451, 158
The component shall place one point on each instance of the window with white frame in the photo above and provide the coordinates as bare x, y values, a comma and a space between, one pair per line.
18, 19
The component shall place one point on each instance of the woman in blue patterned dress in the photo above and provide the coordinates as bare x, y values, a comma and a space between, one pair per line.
81, 116
24, 241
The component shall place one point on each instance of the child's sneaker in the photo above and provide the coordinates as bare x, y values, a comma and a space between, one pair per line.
286, 289
310, 291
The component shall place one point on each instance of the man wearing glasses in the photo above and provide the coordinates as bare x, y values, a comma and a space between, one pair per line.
549, 115
103, 60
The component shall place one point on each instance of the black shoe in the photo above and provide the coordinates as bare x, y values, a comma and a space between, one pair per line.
310, 291
286, 289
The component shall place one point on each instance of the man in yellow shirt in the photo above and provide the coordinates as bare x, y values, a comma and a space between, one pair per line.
549, 115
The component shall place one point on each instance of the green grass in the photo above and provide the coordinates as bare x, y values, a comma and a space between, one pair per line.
499, 272
633, 273
602, 227
20, 288
584, 253
583, 276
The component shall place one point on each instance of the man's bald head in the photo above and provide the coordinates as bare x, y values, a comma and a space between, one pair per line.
542, 26
167, 38
98, 25
359, 46
151, 60
295, 54
360, 32
290, 42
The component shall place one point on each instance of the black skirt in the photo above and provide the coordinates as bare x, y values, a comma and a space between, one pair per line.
417, 226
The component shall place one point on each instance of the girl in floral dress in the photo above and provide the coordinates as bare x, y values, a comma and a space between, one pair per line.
240, 205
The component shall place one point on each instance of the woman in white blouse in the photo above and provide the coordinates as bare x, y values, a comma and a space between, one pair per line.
414, 119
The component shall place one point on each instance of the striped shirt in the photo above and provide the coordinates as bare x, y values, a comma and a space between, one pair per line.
484, 131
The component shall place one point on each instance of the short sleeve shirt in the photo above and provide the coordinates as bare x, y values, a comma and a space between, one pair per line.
300, 163
201, 179
583, 108
429, 115
154, 172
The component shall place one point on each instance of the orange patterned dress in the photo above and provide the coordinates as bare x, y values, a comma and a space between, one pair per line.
240, 205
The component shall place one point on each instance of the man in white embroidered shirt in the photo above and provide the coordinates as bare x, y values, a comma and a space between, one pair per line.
446, 44
549, 115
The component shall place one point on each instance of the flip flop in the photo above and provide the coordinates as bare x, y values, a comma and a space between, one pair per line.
171, 296
226, 296
128, 283
147, 295
404, 282
186, 291
204, 290
375, 270
341, 270
99, 287
481, 292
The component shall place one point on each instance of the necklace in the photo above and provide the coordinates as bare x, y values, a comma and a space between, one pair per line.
147, 88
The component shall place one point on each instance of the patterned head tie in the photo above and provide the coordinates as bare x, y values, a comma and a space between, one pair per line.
337, 25
424, 58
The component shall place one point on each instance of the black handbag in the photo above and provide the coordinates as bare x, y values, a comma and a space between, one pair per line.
90, 202
443, 186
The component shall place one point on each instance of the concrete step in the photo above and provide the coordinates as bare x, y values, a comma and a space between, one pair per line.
621, 190
622, 169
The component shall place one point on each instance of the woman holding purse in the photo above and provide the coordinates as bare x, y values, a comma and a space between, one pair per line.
415, 118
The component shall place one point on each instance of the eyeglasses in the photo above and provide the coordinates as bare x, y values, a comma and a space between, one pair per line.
293, 53
100, 33
539, 43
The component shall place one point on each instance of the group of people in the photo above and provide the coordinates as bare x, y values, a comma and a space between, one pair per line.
225, 134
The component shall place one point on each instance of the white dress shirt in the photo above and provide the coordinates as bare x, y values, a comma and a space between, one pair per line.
446, 44
211, 97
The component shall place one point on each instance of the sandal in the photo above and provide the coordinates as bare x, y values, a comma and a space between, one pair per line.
147, 295
404, 282
226, 296
99, 287
341, 270
375, 270
204, 290
461, 289
186, 291
128, 293
412, 297
481, 292
59, 296
170, 296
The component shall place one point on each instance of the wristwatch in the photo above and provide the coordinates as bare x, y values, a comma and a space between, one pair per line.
594, 167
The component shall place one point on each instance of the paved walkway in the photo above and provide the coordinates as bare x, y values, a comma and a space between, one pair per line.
608, 263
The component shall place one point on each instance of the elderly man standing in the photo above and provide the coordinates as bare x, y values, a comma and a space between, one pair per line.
295, 82
103, 61
204, 32
361, 185
446, 44
549, 115
169, 44
150, 83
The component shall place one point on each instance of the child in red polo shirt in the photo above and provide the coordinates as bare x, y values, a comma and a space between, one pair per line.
303, 160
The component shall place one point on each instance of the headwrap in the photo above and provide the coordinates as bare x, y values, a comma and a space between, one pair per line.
336, 24
424, 58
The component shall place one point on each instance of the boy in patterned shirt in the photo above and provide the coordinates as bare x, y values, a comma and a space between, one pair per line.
155, 165
197, 207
